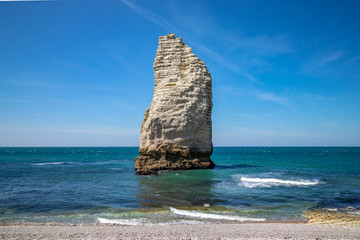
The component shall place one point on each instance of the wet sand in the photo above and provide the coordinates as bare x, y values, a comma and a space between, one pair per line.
200, 231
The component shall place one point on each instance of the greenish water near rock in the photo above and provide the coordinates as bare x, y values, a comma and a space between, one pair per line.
90, 185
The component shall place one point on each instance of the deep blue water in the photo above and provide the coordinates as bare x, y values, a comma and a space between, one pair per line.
88, 185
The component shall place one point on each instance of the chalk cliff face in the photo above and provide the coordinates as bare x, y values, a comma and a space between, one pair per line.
176, 132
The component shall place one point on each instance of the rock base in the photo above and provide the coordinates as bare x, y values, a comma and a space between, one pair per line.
171, 157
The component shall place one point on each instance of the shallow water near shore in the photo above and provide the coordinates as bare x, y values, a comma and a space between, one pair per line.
99, 185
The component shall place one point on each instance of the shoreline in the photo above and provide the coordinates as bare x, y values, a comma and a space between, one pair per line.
158, 224
264, 230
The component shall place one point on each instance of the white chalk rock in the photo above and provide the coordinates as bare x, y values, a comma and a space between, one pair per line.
176, 132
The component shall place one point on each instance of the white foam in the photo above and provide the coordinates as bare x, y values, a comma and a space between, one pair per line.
142, 222
183, 222
213, 216
332, 209
355, 212
131, 222
270, 182
49, 163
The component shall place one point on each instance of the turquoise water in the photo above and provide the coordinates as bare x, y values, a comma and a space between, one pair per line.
91, 185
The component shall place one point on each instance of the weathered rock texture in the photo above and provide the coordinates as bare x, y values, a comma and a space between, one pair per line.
176, 132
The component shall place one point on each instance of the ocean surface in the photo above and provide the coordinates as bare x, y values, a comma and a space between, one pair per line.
99, 185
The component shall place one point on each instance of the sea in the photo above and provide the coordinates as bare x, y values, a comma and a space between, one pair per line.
97, 185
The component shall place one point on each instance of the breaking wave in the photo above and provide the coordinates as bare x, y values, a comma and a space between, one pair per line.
213, 216
131, 222
143, 222
270, 182
48, 163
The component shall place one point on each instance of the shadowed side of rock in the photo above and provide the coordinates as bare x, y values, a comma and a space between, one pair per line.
171, 157
176, 132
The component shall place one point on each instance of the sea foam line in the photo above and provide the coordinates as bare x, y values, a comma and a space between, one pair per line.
137, 222
213, 216
132, 222
269, 182
48, 163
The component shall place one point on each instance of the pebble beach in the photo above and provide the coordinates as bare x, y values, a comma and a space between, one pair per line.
204, 231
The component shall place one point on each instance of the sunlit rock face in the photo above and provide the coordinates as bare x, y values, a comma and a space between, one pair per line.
176, 132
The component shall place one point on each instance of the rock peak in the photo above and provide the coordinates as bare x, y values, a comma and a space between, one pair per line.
170, 36
176, 132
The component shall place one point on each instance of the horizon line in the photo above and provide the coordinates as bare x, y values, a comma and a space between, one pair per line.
230, 146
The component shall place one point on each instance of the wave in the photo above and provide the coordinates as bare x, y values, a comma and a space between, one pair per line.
116, 169
132, 222
48, 163
182, 222
332, 209
103, 162
355, 212
79, 163
137, 222
270, 182
213, 216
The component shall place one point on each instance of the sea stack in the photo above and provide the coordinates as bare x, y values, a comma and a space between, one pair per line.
176, 132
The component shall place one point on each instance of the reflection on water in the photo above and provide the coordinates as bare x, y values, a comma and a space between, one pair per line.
177, 188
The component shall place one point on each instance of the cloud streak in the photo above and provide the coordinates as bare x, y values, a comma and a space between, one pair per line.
256, 93
329, 58
264, 45
160, 21
267, 96
235, 68
322, 61
153, 17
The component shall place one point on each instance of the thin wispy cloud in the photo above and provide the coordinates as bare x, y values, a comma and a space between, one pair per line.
72, 65
249, 116
45, 83
354, 60
197, 19
267, 96
271, 132
15, 100
29, 83
322, 61
256, 93
311, 97
217, 57
329, 58
265, 137
160, 21
153, 17
265, 45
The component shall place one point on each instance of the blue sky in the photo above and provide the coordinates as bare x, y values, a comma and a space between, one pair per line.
79, 73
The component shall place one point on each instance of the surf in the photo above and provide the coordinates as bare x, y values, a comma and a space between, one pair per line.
270, 182
196, 214
131, 222
48, 163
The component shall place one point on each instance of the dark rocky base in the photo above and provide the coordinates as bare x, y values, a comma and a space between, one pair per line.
171, 157
145, 165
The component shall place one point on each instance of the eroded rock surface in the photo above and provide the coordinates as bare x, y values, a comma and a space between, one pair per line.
176, 132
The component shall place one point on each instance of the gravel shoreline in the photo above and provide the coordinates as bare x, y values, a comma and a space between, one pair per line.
198, 231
